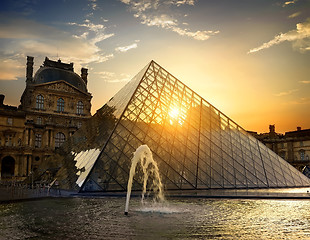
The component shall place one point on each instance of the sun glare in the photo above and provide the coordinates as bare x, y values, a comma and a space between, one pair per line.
175, 116
174, 113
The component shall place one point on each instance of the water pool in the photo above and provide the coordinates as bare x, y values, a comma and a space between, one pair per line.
103, 218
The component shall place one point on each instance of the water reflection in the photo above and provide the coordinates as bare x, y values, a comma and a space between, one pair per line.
188, 219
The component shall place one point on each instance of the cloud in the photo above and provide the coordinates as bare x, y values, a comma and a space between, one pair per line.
20, 37
89, 25
97, 29
122, 78
287, 3
110, 77
286, 93
93, 4
163, 20
300, 37
157, 13
24, 7
198, 35
105, 74
301, 101
181, 2
126, 48
11, 69
296, 14
125, 1
305, 82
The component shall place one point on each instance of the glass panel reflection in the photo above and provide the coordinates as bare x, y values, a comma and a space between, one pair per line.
195, 145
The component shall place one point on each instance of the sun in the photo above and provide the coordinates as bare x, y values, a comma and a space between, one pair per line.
174, 113
175, 116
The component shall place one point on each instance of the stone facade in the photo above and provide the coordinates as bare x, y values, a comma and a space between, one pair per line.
293, 146
55, 103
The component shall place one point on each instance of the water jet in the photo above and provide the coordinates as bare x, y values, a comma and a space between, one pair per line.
144, 155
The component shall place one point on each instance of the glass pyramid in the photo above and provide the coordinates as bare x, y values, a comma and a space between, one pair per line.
194, 144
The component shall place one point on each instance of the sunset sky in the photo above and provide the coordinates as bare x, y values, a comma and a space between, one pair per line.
249, 58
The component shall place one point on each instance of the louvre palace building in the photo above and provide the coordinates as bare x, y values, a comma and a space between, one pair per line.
293, 146
54, 104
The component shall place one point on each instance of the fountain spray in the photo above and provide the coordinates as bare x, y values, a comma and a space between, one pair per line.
149, 166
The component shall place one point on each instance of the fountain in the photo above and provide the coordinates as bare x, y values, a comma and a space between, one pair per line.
149, 167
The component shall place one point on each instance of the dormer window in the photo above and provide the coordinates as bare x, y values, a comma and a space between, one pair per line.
39, 102
60, 105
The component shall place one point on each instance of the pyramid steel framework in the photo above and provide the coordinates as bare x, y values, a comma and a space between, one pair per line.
195, 145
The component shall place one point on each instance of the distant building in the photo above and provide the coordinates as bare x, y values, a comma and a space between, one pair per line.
54, 104
292, 146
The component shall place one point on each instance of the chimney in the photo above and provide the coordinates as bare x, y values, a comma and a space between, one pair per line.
298, 128
272, 131
1, 99
272, 128
84, 75
29, 70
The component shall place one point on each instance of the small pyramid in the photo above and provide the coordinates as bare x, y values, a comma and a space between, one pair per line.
195, 145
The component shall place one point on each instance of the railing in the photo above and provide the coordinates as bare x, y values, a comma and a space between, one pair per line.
15, 190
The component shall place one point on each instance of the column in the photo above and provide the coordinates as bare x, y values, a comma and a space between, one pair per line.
29, 162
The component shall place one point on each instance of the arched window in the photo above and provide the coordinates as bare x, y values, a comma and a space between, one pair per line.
60, 105
59, 139
80, 107
40, 102
38, 140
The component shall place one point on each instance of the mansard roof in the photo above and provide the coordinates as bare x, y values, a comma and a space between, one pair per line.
52, 71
